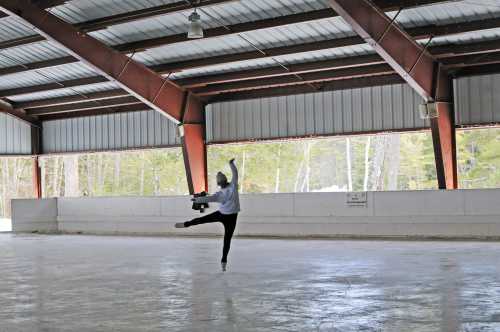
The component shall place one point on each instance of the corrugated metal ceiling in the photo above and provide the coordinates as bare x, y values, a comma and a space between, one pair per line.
230, 13
90, 88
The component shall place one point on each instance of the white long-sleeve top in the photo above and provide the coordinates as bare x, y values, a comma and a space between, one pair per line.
228, 197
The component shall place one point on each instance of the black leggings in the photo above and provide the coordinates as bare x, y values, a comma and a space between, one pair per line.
229, 222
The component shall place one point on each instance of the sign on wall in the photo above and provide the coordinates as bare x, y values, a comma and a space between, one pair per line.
357, 199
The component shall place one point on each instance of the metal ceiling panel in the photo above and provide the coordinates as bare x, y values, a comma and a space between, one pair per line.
30, 53
66, 92
46, 75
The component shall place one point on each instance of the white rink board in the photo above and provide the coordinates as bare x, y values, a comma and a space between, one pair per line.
426, 214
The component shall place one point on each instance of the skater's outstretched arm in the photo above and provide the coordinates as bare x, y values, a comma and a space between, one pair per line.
217, 197
234, 171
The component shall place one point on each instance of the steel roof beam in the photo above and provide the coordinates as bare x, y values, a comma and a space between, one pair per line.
307, 88
279, 81
72, 99
88, 105
93, 112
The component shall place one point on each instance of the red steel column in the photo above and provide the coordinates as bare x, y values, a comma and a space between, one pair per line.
418, 68
444, 134
194, 148
37, 178
36, 149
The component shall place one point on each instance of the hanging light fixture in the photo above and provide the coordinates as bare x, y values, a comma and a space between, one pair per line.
195, 29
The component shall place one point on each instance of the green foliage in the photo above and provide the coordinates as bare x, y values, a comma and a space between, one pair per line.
141, 173
321, 164
479, 158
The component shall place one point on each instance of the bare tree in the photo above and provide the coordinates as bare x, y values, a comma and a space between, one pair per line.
5, 185
393, 157
55, 178
243, 171
378, 163
141, 176
71, 176
116, 177
367, 163
349, 163
277, 186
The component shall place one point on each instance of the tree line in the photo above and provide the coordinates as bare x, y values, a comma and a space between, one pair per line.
358, 163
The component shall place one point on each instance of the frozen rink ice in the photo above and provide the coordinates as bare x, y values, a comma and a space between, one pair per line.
93, 283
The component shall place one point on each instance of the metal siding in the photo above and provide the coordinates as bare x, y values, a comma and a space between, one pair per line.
108, 132
477, 100
346, 110
391, 107
282, 117
273, 118
15, 136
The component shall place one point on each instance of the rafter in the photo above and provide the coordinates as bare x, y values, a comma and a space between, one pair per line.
88, 105
418, 32
449, 54
93, 112
307, 88
72, 99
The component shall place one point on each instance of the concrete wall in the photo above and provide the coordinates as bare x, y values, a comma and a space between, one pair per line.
442, 214
30, 215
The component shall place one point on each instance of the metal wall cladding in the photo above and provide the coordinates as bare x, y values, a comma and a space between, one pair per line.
477, 100
15, 136
362, 110
109, 132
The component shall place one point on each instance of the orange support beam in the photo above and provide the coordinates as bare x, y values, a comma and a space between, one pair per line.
418, 68
444, 139
36, 147
37, 178
193, 144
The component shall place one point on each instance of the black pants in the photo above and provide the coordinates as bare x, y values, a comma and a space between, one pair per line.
229, 222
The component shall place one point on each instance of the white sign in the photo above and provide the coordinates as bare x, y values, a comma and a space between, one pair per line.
357, 199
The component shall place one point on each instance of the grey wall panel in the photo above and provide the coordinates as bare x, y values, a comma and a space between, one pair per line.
109, 132
15, 136
391, 107
477, 100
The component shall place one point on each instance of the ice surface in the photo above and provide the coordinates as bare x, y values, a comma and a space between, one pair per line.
92, 283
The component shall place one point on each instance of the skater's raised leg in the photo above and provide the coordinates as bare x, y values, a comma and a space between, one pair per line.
209, 218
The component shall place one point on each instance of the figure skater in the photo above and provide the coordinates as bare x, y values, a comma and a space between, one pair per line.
227, 214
